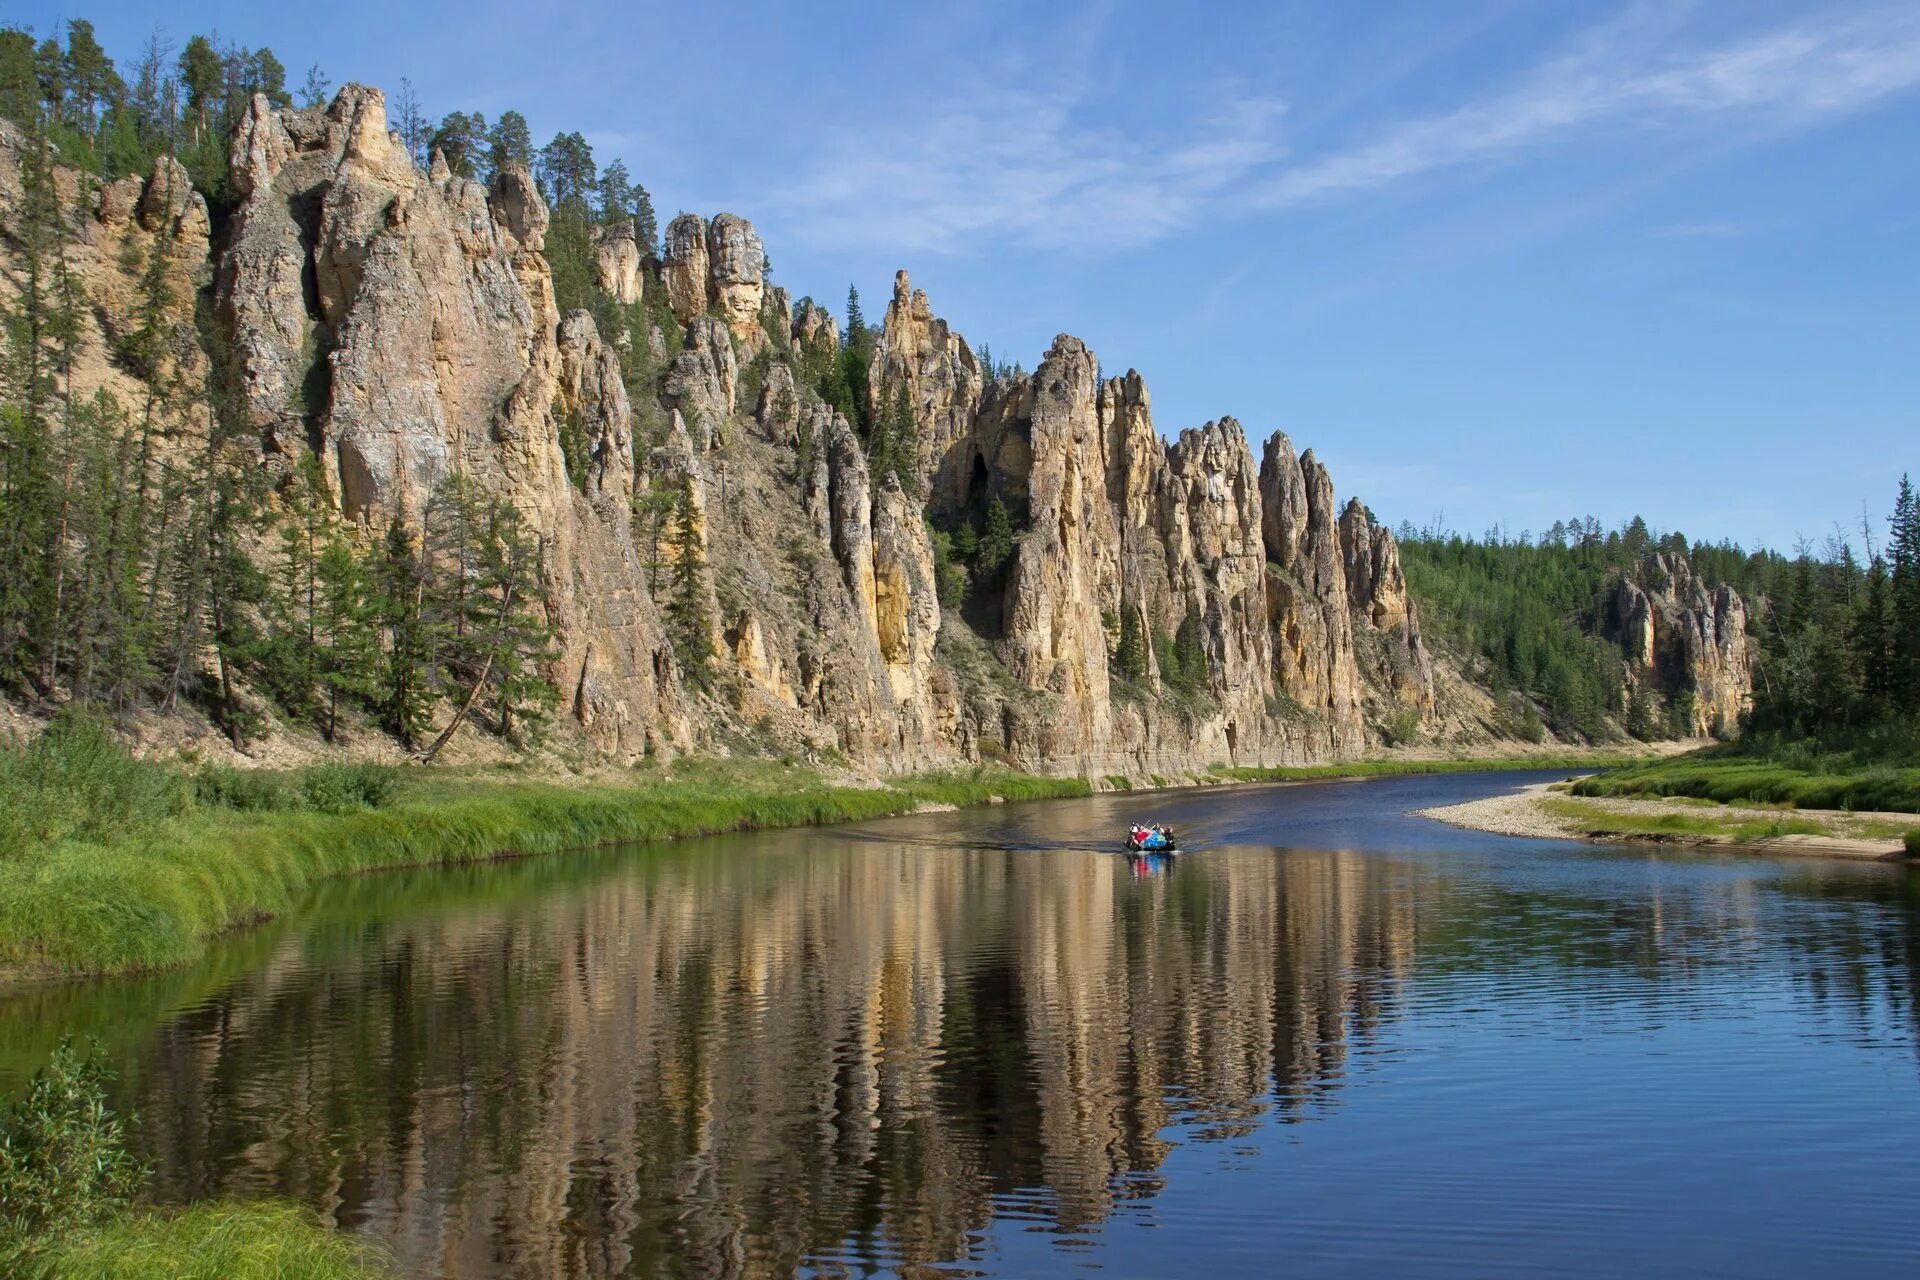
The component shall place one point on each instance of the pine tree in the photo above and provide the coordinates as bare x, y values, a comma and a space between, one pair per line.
484, 571
346, 642
1872, 639
996, 540
290, 660
646, 226
408, 663
686, 601
1903, 551
856, 322
509, 142
1191, 669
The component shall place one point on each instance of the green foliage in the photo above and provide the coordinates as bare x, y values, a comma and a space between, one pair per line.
509, 142
688, 622
1184, 668
1912, 842
949, 576
995, 546
64, 1164
76, 782
253, 1241
893, 447
1397, 768
566, 172
1537, 614
1401, 727
407, 670
127, 899
462, 139
323, 788
1869, 767
485, 609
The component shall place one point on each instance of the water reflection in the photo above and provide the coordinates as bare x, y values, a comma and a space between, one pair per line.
764, 1054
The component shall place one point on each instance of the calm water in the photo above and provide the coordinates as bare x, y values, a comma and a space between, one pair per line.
1333, 1040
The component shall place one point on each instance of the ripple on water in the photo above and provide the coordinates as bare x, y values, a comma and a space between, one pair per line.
1332, 1041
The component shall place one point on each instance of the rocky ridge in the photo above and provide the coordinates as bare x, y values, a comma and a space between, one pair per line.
399, 325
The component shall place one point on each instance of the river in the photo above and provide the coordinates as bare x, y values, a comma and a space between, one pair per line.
1329, 1039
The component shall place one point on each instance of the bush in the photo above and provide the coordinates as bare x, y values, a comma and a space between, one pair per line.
346, 788
324, 788
63, 1158
76, 782
219, 786
1913, 842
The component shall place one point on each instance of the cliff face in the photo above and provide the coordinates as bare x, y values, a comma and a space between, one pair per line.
1165, 605
1680, 637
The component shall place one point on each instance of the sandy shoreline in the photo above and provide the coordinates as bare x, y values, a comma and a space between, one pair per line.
1523, 813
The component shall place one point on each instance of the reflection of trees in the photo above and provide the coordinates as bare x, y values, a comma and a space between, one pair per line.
794, 1049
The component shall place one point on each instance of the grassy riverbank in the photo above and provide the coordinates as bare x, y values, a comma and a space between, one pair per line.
68, 1180
1873, 769
108, 864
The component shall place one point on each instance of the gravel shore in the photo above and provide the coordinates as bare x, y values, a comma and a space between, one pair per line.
1522, 813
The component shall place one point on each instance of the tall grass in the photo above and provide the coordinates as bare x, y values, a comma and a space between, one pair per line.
99, 886
262, 1241
1871, 768
67, 1182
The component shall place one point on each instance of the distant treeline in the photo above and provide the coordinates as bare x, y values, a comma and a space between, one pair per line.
1835, 641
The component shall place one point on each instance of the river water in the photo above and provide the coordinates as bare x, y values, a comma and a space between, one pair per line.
1331, 1039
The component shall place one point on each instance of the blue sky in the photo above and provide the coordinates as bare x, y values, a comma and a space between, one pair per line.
1494, 261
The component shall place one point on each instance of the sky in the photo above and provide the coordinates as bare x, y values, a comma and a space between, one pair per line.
1495, 262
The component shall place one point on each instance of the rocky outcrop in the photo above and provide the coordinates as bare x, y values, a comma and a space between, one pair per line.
919, 352
1686, 641
403, 328
1166, 605
1392, 652
686, 271
1314, 667
617, 257
738, 285
719, 268
701, 383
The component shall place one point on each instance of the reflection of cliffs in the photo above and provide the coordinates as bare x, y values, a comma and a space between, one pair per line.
712, 1066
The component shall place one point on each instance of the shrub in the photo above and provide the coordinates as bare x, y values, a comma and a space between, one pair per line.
63, 1157
1913, 842
219, 786
75, 781
345, 788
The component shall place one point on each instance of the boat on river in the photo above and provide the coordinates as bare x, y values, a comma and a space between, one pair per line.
1151, 840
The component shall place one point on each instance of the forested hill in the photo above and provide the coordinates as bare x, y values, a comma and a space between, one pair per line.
1832, 641
343, 424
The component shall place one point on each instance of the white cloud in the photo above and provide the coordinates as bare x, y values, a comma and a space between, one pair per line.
1789, 77
1008, 162
1011, 163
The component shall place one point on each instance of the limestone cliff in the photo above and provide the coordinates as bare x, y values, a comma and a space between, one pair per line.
1163, 605
1685, 640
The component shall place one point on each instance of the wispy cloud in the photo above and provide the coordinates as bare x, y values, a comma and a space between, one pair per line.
1005, 162
1044, 167
1787, 77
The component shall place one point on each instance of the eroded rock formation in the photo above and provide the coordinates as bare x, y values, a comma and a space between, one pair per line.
1165, 606
1685, 640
